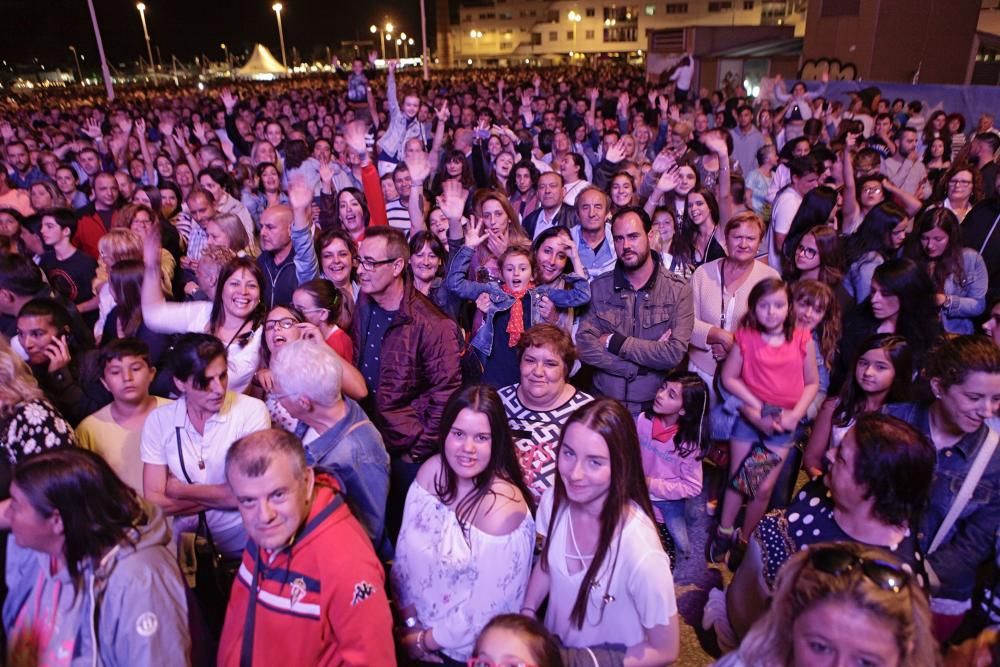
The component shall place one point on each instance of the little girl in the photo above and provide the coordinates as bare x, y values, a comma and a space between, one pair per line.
772, 369
882, 375
512, 307
671, 435
818, 312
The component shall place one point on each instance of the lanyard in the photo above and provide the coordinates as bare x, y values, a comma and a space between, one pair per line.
989, 234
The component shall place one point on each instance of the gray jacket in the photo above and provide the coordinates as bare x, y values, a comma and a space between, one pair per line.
131, 604
631, 367
400, 127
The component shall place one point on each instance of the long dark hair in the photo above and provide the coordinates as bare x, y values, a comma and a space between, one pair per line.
609, 419
125, 279
533, 634
950, 263
360, 197
831, 257
325, 295
918, 319
693, 423
874, 233
503, 463
512, 179
218, 316
852, 397
814, 212
97, 509
684, 236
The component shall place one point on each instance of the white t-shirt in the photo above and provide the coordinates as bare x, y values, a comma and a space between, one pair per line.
640, 594
786, 205
240, 415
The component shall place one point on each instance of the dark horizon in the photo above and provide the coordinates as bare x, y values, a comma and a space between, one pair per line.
189, 28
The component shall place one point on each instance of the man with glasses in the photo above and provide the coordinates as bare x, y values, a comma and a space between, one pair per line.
408, 352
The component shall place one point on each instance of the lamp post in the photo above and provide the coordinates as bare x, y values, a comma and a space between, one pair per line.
402, 40
225, 52
141, 6
575, 18
407, 46
388, 30
76, 56
105, 72
374, 29
281, 34
476, 35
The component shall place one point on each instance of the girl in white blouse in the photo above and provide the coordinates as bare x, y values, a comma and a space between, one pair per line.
464, 549
603, 568
235, 316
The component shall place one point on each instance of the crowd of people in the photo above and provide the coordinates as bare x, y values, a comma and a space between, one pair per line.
367, 370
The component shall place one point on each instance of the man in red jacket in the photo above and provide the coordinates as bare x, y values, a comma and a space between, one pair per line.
310, 590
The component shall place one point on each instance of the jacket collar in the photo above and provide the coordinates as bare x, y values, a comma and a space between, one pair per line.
620, 282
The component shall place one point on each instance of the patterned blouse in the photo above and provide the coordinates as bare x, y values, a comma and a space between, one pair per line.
32, 428
458, 578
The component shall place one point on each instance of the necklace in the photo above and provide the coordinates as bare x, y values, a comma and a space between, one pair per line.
201, 451
572, 536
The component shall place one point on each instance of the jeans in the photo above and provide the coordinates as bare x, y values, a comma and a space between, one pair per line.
673, 518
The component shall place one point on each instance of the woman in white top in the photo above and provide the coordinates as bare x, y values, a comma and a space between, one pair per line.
184, 443
221, 186
603, 568
234, 316
464, 549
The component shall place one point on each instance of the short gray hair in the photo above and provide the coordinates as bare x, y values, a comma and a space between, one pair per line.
309, 368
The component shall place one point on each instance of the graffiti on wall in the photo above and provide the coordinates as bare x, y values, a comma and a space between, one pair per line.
839, 71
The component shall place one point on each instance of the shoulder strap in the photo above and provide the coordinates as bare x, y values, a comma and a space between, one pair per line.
969, 484
202, 517
989, 234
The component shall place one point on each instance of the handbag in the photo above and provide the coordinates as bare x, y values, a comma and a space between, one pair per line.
754, 469
214, 573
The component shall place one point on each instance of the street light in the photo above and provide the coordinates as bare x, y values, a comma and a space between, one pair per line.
281, 34
406, 46
225, 51
476, 35
76, 57
141, 6
575, 18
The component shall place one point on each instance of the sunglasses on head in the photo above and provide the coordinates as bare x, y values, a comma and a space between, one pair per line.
837, 561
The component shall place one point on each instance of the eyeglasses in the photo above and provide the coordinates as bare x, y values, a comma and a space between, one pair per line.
483, 662
837, 561
806, 252
285, 323
960, 181
871, 191
372, 264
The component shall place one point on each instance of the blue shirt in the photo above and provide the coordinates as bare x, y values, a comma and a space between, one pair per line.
379, 320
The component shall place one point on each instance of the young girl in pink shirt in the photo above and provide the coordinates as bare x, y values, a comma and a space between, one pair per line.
772, 369
671, 436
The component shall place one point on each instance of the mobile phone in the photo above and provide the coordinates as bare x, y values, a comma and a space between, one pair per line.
770, 410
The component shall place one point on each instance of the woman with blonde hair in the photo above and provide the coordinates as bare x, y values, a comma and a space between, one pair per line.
841, 603
227, 231
28, 422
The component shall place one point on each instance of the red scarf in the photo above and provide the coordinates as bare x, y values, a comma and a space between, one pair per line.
515, 326
662, 432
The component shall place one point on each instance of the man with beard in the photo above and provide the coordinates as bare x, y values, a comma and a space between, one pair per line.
640, 318
905, 169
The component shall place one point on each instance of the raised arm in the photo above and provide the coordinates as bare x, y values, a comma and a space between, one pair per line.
419, 167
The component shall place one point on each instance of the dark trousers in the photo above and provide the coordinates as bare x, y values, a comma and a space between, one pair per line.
401, 475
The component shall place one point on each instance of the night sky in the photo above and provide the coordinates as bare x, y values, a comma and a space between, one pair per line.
188, 28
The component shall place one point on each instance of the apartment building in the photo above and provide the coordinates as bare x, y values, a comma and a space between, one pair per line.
504, 32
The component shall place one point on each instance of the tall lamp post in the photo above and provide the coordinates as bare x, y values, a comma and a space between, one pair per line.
225, 52
76, 56
281, 34
388, 30
406, 48
402, 40
575, 18
476, 35
374, 29
141, 6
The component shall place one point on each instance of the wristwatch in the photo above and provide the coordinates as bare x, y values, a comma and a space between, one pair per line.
410, 622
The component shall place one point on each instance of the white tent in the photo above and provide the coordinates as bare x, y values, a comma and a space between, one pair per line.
261, 65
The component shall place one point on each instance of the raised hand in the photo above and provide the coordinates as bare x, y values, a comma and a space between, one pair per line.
393, 64
124, 123
228, 100
617, 152
92, 128
6, 131
327, 170
140, 128
354, 136
452, 199
372, 57
536, 81
300, 195
419, 167
201, 132
662, 162
475, 233
442, 113
593, 94
715, 143
58, 353
668, 181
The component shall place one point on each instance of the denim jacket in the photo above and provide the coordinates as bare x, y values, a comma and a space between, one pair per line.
970, 542
354, 453
968, 297
457, 282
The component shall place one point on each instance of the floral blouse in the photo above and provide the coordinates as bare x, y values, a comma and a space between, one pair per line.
458, 578
34, 427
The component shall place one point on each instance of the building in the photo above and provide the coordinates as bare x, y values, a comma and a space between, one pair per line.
507, 32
